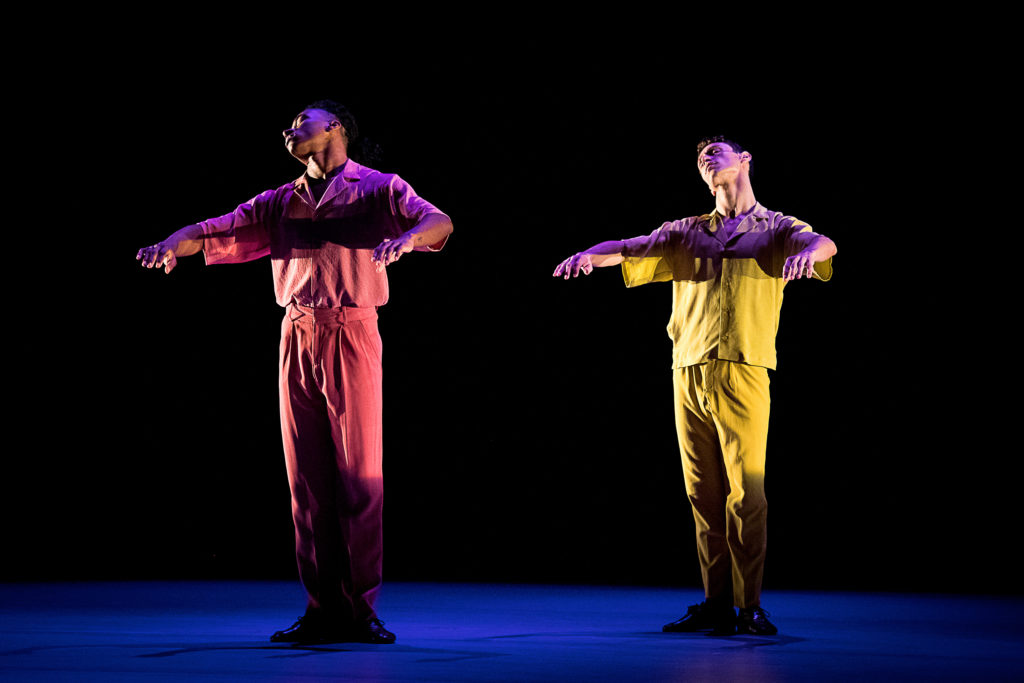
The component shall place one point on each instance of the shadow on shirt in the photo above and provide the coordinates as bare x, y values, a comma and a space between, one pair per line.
697, 257
363, 224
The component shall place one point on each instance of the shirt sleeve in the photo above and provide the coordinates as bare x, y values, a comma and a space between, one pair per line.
797, 235
241, 235
647, 258
410, 208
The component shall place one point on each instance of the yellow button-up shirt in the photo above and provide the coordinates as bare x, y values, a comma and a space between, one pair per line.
726, 293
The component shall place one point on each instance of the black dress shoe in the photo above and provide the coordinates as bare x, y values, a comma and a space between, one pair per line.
754, 621
311, 630
719, 620
372, 631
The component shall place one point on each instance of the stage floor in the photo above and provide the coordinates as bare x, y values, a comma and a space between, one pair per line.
217, 631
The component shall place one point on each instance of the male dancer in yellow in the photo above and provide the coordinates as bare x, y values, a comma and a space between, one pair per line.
728, 269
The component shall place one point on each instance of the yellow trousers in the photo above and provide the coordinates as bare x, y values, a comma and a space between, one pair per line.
721, 412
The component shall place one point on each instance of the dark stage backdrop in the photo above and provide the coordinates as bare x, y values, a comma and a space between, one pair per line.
528, 421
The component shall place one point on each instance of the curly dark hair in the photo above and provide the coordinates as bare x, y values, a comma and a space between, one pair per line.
736, 147
360, 148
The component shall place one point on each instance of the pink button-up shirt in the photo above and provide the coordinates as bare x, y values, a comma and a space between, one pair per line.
321, 252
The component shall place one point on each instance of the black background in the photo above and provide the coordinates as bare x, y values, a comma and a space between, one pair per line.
528, 421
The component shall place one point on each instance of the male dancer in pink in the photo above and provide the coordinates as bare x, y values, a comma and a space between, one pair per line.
727, 269
329, 236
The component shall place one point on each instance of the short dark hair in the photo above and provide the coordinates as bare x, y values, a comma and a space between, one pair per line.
736, 147
360, 148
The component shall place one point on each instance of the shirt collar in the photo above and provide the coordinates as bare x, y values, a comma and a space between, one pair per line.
350, 172
758, 213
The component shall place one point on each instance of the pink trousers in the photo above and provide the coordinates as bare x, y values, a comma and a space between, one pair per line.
331, 427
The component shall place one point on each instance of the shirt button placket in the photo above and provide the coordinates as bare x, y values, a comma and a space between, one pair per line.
313, 253
723, 299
